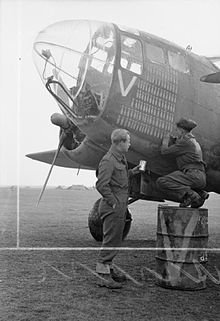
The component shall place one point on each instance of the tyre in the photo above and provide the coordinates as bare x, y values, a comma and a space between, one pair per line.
95, 223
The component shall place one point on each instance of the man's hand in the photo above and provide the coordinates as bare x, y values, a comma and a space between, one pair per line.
136, 170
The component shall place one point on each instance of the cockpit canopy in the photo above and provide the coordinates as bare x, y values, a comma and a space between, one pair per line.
75, 60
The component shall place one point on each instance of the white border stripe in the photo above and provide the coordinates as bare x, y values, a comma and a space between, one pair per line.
18, 9
107, 248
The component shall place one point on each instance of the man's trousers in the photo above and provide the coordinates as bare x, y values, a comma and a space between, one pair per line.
175, 185
113, 226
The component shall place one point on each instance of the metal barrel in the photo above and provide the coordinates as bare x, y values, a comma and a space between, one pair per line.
182, 239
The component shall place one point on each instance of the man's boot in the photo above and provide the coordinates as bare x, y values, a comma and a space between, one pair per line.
117, 277
186, 201
192, 198
199, 202
203, 194
107, 281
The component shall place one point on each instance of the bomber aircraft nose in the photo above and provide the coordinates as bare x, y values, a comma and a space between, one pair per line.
75, 60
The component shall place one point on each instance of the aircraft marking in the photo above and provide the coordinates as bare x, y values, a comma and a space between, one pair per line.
125, 91
153, 100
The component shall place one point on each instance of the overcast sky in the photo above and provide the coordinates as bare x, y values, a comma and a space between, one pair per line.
26, 106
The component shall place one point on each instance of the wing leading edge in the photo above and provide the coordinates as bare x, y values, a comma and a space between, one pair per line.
62, 160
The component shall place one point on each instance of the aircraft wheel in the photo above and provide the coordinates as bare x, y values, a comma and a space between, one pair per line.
95, 222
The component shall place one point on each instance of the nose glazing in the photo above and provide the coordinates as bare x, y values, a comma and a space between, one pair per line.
79, 56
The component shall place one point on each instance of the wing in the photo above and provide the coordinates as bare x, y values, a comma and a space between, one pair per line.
62, 160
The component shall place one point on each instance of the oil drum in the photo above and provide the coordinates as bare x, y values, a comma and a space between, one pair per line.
182, 239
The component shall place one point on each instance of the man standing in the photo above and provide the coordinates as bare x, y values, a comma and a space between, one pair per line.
181, 185
112, 184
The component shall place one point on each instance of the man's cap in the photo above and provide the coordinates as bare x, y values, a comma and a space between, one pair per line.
187, 124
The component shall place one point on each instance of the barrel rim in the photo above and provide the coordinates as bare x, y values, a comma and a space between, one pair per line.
183, 208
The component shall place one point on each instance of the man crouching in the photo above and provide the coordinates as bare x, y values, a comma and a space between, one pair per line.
112, 184
186, 184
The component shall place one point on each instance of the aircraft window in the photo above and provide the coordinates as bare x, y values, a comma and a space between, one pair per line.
78, 71
136, 68
177, 61
99, 58
154, 53
131, 54
124, 62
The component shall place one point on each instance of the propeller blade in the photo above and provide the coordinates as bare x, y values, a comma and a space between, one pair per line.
61, 141
78, 170
211, 78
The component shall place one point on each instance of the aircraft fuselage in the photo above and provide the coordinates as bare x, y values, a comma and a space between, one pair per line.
130, 79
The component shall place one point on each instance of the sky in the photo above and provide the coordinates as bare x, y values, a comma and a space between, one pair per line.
26, 106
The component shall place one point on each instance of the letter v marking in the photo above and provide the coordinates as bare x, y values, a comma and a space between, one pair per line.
125, 91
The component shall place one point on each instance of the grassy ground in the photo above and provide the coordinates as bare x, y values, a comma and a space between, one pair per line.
60, 285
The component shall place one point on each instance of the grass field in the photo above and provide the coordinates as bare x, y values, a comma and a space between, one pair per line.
60, 285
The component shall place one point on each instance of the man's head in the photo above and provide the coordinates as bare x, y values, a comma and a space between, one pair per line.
184, 126
120, 140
